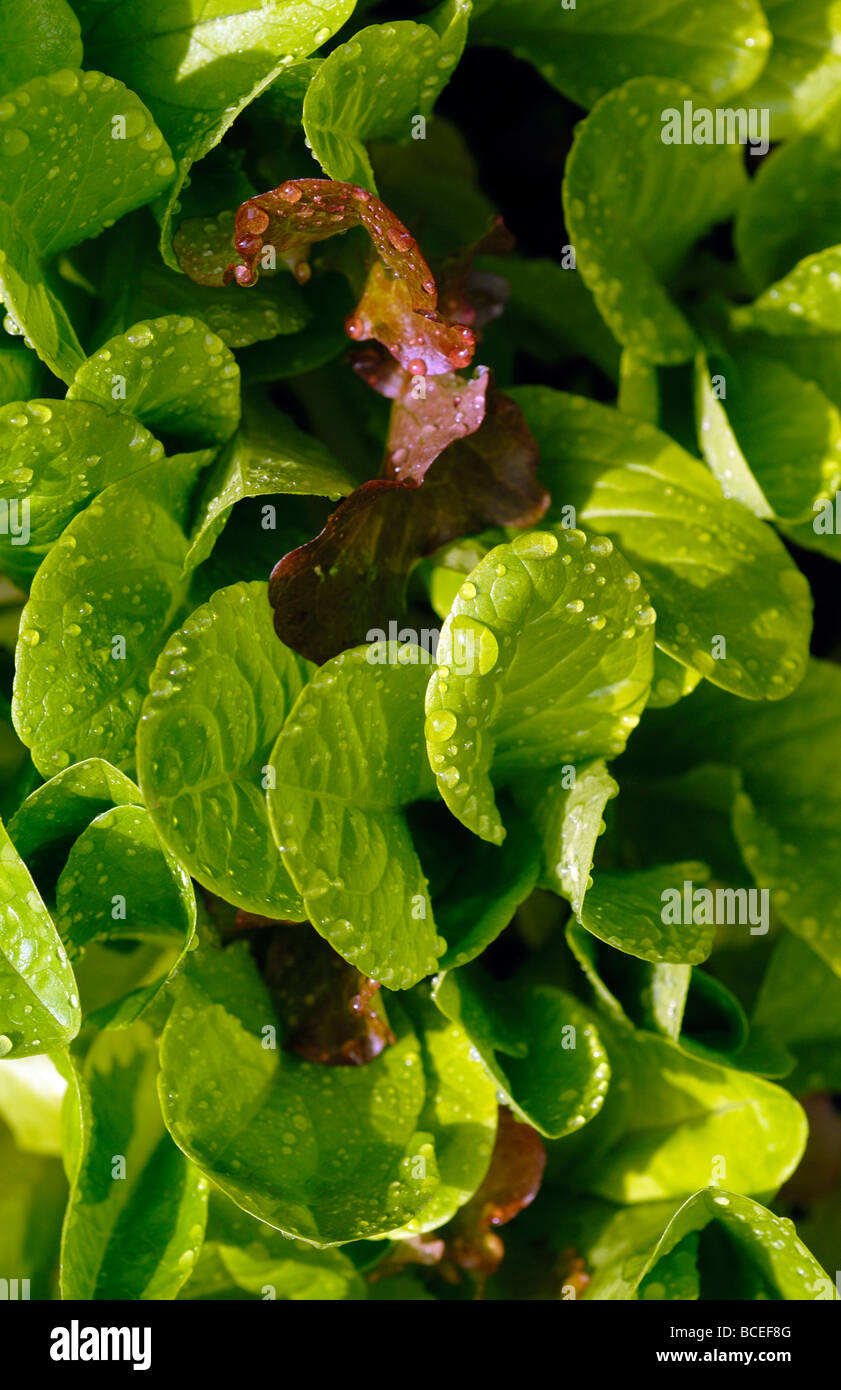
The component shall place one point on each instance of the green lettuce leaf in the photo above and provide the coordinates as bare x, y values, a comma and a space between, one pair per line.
585, 51
625, 910
476, 888
798, 319
176, 376
197, 70
629, 1250
346, 764
39, 1006
136, 1216
675, 1275
672, 681
322, 339
31, 1094
774, 442
61, 808
20, 374
111, 156
217, 700
711, 568
634, 206
799, 1005
769, 1243
33, 1196
802, 176
787, 811
551, 313
120, 881
566, 806
545, 657
326, 1153
34, 308
101, 605
269, 455
36, 37
460, 1109
671, 1122
654, 993
639, 389
55, 456
541, 1049
374, 86
246, 1259
154, 290
801, 82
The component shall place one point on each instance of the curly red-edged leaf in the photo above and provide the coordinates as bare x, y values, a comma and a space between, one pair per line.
420, 429
420, 340
427, 415
350, 580
467, 301
398, 306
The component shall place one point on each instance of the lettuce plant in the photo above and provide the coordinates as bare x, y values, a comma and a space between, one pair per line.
420, 451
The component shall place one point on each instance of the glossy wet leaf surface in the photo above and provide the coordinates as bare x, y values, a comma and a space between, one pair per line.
723, 575
33, 308
269, 455
657, 1135
131, 1231
56, 456
40, 1006
224, 677
544, 1055
117, 581
586, 50
360, 1144
545, 658
173, 373
378, 83
119, 881
337, 810
100, 141
634, 205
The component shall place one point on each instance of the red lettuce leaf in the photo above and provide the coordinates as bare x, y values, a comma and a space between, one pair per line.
420, 340
426, 416
513, 1179
469, 1242
330, 1012
399, 303
510, 1185
351, 579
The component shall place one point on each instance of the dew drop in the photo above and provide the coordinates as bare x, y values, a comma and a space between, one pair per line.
538, 545
64, 82
440, 725
472, 645
400, 238
14, 142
